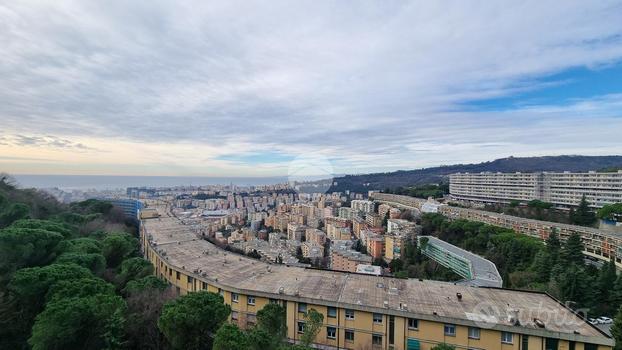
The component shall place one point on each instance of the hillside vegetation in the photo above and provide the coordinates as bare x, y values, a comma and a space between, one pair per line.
407, 178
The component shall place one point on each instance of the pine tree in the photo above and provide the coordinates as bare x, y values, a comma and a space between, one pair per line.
583, 215
572, 253
553, 247
616, 330
606, 281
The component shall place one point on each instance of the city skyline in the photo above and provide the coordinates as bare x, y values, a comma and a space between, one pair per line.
245, 89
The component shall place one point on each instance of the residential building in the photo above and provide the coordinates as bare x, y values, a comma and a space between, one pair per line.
366, 311
562, 189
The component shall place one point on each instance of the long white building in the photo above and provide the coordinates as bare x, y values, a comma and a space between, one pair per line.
565, 189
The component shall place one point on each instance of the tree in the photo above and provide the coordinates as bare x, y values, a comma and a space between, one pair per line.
272, 319
583, 215
396, 265
616, 330
229, 336
145, 283
25, 247
92, 261
83, 287
30, 285
82, 245
117, 247
180, 318
45, 225
443, 346
144, 305
572, 252
312, 326
94, 322
553, 247
133, 268
605, 284
14, 212
612, 212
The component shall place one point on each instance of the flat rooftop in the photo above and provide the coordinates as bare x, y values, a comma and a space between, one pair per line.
432, 300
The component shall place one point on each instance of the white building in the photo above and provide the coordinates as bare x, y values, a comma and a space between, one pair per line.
564, 189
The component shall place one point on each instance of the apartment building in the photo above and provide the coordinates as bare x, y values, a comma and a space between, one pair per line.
394, 225
312, 250
295, 231
365, 311
363, 206
564, 189
342, 258
374, 220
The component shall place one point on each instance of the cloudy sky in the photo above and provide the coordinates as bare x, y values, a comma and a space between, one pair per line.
243, 88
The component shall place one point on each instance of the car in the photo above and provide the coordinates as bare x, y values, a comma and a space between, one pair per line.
593, 321
605, 320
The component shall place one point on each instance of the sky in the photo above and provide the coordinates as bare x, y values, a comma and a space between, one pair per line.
247, 88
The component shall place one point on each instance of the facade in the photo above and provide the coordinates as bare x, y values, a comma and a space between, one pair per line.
475, 270
364, 206
599, 244
295, 232
563, 189
347, 260
365, 311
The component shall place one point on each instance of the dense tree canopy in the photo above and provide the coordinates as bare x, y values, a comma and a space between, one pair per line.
180, 318
118, 246
92, 322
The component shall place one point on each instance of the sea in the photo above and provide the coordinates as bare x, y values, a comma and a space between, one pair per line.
106, 182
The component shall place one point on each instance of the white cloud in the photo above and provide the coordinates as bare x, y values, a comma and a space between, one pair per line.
366, 83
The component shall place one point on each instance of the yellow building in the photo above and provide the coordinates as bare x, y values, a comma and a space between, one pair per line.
364, 311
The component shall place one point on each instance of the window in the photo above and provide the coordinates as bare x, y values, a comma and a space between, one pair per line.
332, 312
221, 292
349, 314
302, 307
413, 323
377, 318
177, 274
235, 297
474, 332
331, 332
301, 327
376, 339
588, 346
526, 343
250, 300
273, 301
450, 329
234, 315
349, 334
190, 279
507, 337
204, 285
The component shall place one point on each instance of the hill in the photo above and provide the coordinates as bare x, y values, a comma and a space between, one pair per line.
380, 181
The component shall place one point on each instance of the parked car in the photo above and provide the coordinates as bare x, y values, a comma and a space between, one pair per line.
605, 320
593, 321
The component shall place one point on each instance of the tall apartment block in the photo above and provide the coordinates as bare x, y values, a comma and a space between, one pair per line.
563, 189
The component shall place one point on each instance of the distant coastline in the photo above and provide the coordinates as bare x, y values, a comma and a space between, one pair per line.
110, 182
